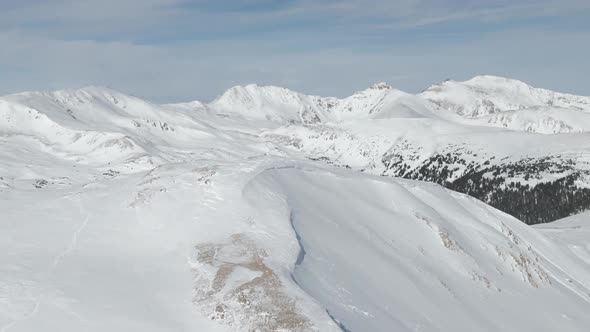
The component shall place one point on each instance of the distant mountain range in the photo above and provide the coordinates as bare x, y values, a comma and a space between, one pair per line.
476, 137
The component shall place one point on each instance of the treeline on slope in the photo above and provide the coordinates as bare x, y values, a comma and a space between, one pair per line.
502, 186
541, 203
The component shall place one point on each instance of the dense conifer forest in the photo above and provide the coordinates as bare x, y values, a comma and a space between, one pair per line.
516, 188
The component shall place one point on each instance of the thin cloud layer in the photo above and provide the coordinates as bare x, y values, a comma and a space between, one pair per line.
174, 50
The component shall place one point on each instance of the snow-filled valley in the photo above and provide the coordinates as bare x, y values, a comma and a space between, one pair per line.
271, 210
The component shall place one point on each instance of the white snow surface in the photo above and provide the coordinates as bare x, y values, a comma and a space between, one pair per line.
120, 214
508, 103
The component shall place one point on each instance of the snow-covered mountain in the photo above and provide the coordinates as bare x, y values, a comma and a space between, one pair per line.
485, 95
283, 105
481, 101
271, 210
512, 104
540, 119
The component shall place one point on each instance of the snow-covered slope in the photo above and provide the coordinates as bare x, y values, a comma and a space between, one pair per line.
228, 248
230, 216
573, 232
99, 125
20, 120
508, 103
404, 256
539, 119
381, 101
484, 95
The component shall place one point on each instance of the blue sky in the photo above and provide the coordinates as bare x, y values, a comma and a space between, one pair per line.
178, 50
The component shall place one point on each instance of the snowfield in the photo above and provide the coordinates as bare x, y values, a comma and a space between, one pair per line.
263, 211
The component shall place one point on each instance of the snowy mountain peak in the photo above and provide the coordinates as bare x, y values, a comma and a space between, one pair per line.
486, 95
381, 86
73, 98
491, 79
253, 95
262, 102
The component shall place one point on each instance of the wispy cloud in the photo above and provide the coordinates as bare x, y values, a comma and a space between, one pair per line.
410, 13
122, 17
170, 50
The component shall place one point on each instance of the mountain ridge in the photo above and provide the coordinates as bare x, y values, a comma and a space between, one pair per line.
379, 130
477, 101
471, 102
